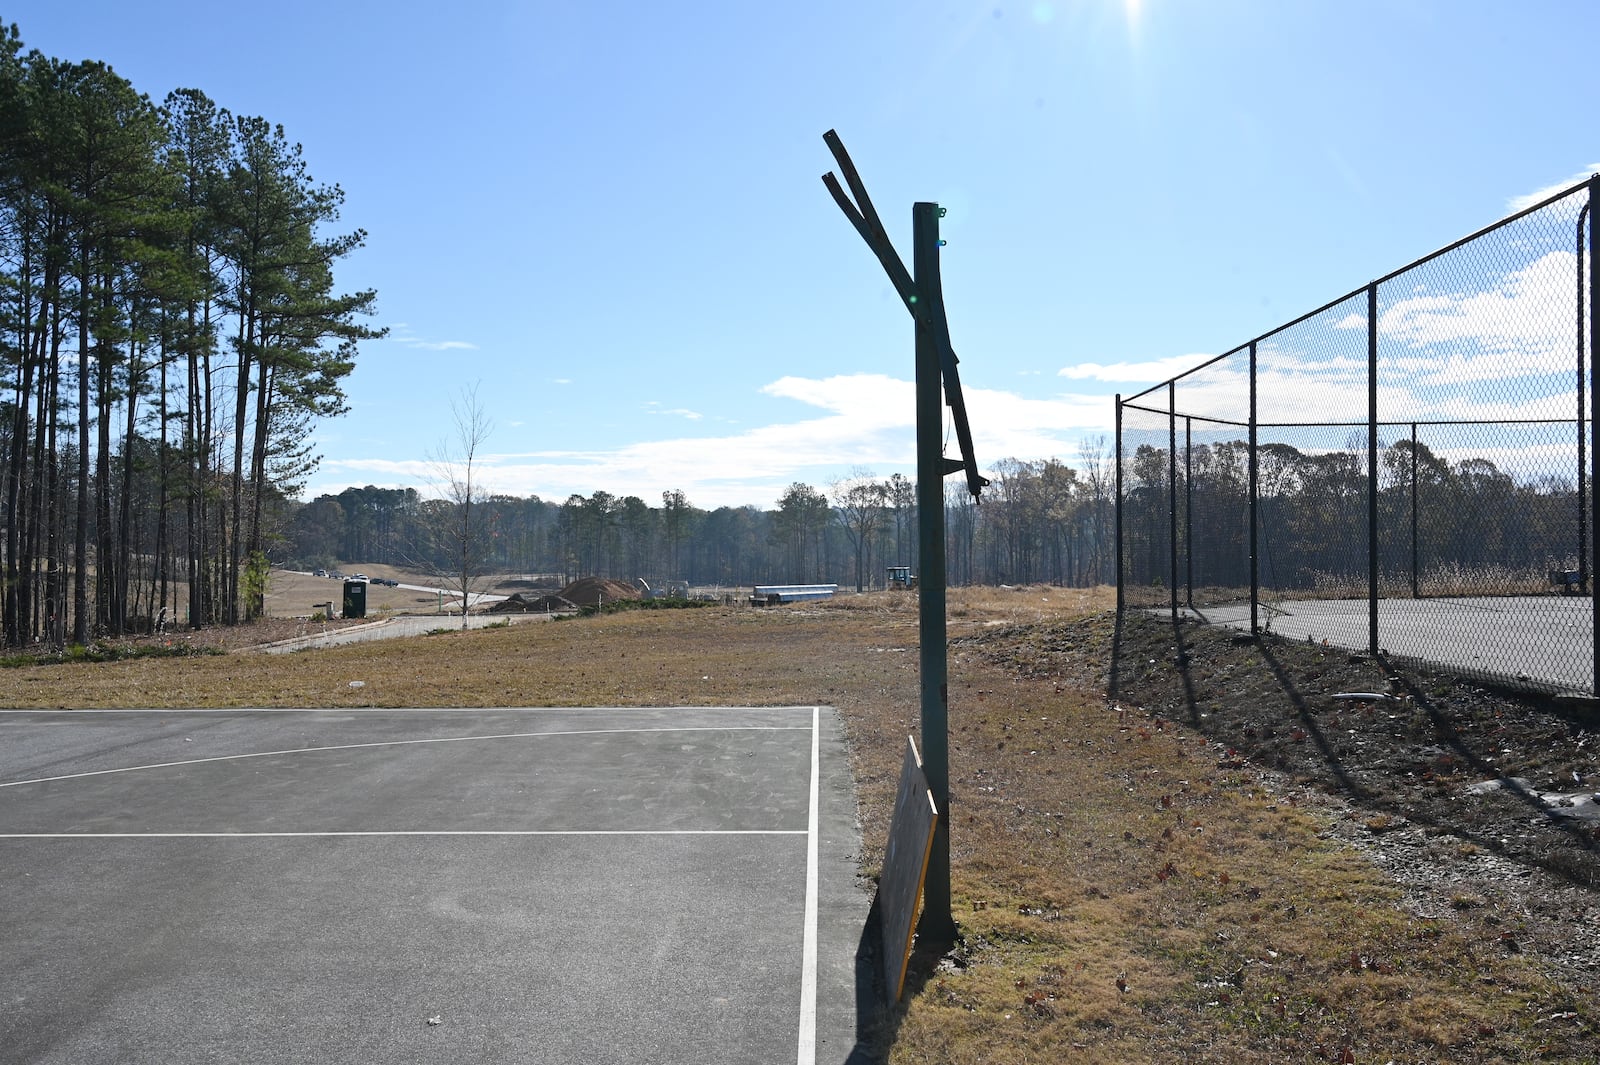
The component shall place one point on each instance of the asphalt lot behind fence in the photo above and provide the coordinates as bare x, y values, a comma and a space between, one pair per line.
553, 885
1544, 640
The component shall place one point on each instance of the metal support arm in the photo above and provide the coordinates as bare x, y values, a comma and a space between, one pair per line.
926, 307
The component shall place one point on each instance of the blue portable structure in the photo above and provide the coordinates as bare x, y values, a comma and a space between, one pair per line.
773, 594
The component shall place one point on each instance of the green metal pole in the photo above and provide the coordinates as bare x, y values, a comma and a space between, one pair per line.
937, 923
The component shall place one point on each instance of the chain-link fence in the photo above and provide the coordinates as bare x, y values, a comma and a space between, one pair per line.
1407, 470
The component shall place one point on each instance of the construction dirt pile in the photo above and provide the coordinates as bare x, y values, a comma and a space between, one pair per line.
592, 590
516, 603
576, 595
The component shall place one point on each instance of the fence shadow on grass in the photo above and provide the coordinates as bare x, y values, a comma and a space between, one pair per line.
1340, 773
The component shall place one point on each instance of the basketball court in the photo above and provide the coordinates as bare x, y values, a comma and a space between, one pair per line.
665, 885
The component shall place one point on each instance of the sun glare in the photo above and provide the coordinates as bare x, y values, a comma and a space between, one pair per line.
1133, 10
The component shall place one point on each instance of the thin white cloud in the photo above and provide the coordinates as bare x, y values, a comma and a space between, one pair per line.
1464, 341
400, 334
679, 412
868, 420
1133, 372
1522, 326
1522, 203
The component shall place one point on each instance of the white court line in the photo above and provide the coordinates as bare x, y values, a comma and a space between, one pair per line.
183, 711
404, 743
414, 832
808, 957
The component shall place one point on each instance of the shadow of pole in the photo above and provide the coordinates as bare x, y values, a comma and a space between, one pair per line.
1114, 670
1309, 725
876, 1027
1181, 659
1354, 788
878, 1023
1580, 870
1450, 736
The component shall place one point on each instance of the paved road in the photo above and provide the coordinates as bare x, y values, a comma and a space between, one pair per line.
476, 599
391, 628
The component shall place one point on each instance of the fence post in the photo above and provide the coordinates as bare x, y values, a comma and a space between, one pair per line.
1172, 490
1594, 460
1372, 468
1255, 557
1414, 594
1188, 511
1583, 412
1118, 482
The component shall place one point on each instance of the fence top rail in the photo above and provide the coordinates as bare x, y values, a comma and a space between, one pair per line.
1382, 423
1571, 190
1207, 418
1192, 370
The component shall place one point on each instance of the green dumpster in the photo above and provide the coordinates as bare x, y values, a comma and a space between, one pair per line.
355, 599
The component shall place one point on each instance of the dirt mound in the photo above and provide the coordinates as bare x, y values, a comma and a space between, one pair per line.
590, 591
544, 604
551, 604
513, 604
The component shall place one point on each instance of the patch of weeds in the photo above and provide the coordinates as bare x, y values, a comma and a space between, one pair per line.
78, 654
663, 602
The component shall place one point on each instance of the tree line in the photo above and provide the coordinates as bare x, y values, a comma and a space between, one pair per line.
1444, 527
169, 329
1040, 521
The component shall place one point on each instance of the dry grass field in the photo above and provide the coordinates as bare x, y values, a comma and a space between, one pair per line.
1127, 889
291, 594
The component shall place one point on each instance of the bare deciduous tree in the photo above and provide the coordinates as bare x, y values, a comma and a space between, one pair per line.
859, 502
460, 522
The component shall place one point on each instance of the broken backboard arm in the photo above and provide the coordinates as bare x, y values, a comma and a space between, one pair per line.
927, 307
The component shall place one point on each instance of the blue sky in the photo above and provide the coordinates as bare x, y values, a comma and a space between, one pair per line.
610, 216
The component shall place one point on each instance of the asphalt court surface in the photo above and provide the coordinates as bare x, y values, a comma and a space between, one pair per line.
537, 885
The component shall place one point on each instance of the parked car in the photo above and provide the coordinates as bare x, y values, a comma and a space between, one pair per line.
319, 572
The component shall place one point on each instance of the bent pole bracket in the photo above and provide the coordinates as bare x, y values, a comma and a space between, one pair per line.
927, 307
